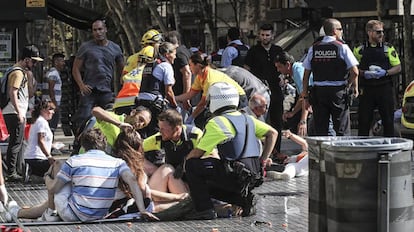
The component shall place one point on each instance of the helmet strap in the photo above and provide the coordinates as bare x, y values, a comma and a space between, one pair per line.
224, 110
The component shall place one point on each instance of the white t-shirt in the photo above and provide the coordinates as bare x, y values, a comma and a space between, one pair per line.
33, 150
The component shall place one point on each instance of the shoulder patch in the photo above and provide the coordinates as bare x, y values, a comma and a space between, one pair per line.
394, 54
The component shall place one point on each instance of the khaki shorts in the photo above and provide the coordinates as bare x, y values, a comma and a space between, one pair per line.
62, 204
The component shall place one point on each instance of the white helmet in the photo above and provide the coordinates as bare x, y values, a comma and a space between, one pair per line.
222, 94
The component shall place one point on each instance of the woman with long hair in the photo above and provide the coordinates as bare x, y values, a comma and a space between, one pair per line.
128, 146
38, 152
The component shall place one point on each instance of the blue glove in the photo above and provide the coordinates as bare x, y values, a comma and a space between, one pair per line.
377, 74
190, 120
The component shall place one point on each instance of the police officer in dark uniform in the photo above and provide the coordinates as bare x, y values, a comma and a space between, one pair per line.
378, 63
235, 53
335, 71
156, 84
232, 177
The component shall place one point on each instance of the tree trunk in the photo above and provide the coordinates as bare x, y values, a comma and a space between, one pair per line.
62, 34
121, 19
408, 31
176, 13
252, 12
208, 25
156, 15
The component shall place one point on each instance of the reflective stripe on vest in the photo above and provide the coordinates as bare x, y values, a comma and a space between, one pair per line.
124, 101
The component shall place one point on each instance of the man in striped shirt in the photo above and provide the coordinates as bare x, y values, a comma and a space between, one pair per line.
86, 184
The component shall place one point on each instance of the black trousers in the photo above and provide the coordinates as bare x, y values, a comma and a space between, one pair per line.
38, 166
207, 178
373, 97
330, 101
16, 131
275, 113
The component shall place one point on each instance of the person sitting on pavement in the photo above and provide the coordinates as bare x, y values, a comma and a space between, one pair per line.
232, 177
128, 146
90, 197
296, 165
38, 152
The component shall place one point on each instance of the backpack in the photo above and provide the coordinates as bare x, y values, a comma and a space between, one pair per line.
4, 95
241, 54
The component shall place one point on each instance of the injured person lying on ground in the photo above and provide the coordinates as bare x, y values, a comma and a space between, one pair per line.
296, 165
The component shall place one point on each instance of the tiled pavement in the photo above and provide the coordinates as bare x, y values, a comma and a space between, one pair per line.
282, 206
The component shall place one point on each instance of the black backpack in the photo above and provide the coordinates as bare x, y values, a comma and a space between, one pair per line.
4, 95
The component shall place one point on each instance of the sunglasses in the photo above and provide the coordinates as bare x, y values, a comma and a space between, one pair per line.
379, 32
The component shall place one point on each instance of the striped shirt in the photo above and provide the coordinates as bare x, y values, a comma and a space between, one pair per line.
94, 177
53, 75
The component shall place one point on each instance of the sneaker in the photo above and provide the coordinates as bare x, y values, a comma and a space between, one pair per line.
56, 152
14, 178
207, 214
12, 211
50, 215
273, 175
249, 208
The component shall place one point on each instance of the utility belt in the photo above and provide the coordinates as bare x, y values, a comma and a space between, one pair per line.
248, 172
347, 96
374, 83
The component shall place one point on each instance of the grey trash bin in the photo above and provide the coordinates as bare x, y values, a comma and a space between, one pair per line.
317, 198
368, 185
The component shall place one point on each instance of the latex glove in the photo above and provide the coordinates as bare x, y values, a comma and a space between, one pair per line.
375, 74
4, 197
190, 120
369, 75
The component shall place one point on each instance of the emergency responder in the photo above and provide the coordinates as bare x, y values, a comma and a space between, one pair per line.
205, 76
125, 100
156, 91
232, 177
379, 62
330, 61
172, 143
150, 38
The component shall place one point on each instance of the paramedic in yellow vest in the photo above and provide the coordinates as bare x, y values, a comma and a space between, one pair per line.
205, 76
125, 100
150, 38
379, 62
